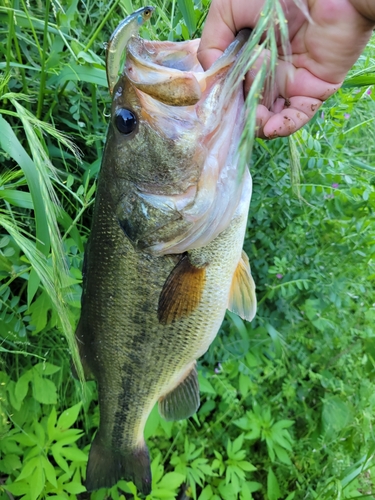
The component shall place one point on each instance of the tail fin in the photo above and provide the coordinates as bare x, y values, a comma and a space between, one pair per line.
107, 466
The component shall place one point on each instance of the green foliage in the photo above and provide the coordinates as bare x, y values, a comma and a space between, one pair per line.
39, 449
288, 401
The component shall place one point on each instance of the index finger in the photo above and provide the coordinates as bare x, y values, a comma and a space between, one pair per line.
225, 19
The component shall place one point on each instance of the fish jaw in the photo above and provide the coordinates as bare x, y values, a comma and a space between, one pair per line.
184, 193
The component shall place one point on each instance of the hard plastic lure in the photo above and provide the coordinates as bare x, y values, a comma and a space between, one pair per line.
120, 37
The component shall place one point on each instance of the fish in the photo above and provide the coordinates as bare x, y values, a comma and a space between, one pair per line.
164, 258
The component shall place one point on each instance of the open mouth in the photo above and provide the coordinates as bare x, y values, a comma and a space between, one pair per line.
171, 73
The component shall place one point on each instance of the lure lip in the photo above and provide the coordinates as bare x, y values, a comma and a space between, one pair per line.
127, 28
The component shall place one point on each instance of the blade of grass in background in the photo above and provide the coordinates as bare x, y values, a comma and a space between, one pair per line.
360, 81
263, 38
38, 172
187, 9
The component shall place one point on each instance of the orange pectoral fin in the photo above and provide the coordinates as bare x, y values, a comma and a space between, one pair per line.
242, 298
182, 291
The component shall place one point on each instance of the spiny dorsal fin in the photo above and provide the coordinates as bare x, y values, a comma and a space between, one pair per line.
181, 292
242, 298
183, 401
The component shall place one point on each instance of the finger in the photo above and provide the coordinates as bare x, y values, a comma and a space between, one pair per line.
263, 59
291, 118
263, 115
208, 56
225, 19
292, 81
219, 32
278, 105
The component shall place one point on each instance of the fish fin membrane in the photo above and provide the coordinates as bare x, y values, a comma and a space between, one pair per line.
182, 291
183, 401
107, 466
242, 298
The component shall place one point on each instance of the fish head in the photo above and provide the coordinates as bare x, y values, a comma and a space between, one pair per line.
149, 127
171, 153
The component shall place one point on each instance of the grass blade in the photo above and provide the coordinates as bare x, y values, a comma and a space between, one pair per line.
187, 9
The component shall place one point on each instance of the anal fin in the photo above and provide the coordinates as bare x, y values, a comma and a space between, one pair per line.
242, 298
183, 401
182, 291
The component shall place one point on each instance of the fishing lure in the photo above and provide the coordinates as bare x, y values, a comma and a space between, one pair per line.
120, 37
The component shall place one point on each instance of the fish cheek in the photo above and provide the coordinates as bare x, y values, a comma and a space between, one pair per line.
143, 224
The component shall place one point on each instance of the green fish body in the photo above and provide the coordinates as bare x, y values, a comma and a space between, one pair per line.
164, 259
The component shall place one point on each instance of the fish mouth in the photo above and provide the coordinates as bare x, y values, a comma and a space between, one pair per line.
180, 101
170, 71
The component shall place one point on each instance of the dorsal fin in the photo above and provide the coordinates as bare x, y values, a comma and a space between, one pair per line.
242, 298
181, 292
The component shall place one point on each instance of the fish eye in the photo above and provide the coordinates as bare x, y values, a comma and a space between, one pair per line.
148, 12
125, 121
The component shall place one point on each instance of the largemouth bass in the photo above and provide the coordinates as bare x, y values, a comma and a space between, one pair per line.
164, 259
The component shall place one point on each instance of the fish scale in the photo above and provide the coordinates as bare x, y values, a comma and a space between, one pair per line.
147, 315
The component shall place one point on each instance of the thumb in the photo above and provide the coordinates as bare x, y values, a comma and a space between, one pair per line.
219, 32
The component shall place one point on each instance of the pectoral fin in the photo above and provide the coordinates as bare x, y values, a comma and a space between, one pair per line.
242, 298
181, 292
183, 401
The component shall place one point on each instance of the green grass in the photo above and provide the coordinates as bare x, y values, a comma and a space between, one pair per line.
287, 401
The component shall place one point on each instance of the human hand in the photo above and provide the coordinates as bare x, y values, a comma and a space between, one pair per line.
322, 52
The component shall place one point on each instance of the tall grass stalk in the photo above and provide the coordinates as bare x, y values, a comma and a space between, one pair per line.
44, 56
260, 56
39, 174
